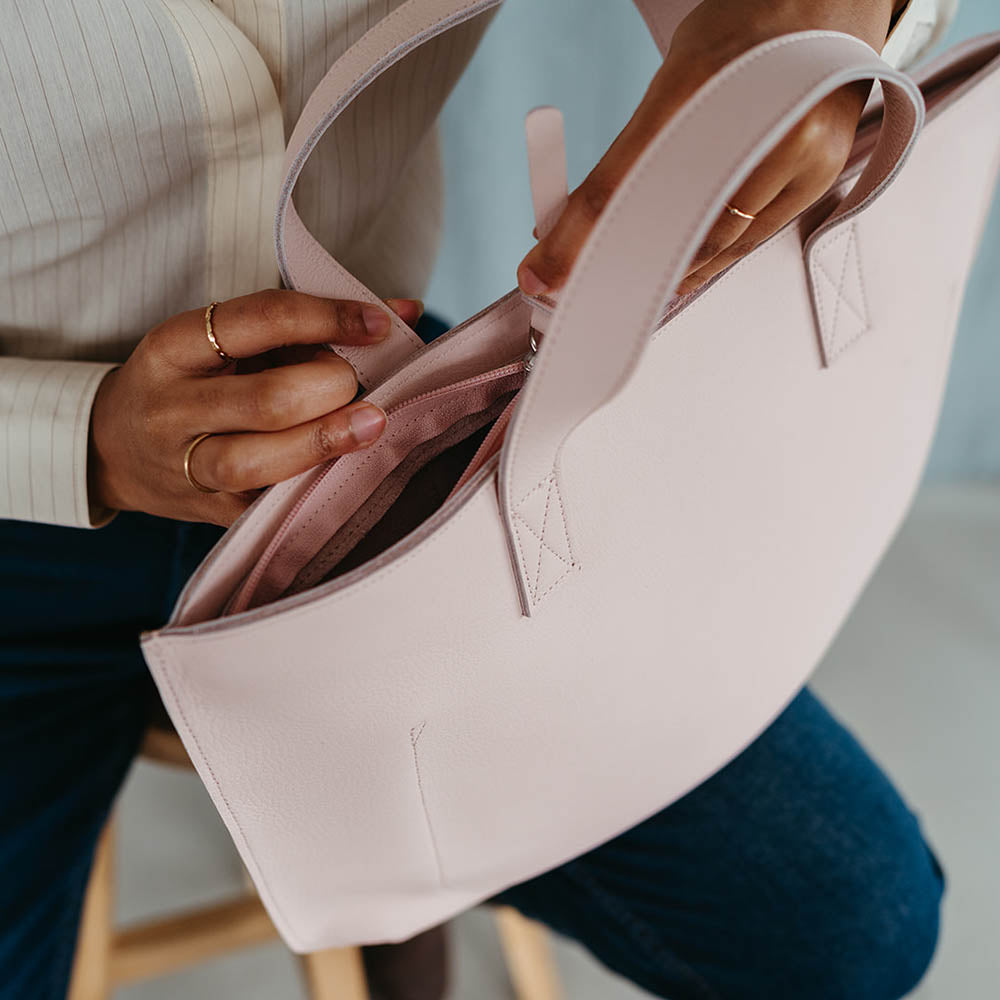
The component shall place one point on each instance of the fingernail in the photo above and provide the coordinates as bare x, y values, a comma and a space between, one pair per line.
405, 308
366, 423
376, 320
530, 283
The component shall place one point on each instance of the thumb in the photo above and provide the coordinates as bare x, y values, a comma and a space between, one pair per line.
548, 264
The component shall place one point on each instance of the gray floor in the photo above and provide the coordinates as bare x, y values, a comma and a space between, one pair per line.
914, 672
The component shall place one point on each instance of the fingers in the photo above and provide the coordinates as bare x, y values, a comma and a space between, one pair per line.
272, 399
252, 324
785, 207
754, 197
799, 170
547, 266
408, 310
235, 463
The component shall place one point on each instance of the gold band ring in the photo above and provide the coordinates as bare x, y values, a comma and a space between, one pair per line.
733, 210
187, 465
210, 333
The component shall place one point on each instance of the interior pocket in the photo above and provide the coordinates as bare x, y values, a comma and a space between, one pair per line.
416, 488
368, 500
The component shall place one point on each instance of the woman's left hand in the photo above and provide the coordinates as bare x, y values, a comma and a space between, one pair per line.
798, 172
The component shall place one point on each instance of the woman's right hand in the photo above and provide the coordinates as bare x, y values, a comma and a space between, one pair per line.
266, 425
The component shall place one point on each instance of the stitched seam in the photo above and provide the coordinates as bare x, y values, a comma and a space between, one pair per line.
569, 545
839, 288
521, 560
866, 318
852, 241
552, 481
857, 314
565, 526
517, 538
415, 733
544, 545
562, 559
552, 586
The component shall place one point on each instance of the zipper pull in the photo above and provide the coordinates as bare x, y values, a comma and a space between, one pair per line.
529, 356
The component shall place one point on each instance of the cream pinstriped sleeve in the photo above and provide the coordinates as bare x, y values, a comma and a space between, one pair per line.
140, 150
45, 409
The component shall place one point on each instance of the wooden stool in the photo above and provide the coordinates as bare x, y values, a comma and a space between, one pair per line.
108, 956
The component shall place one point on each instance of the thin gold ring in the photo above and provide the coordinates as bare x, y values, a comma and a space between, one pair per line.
733, 210
187, 464
210, 333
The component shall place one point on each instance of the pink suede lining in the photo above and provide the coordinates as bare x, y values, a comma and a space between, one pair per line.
490, 446
353, 478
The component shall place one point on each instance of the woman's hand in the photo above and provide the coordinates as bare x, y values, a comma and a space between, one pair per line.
797, 173
287, 409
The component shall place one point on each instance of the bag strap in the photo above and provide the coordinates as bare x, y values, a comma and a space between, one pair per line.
304, 263
641, 246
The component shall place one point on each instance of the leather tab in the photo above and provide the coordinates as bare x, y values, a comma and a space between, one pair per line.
546, 143
304, 264
839, 295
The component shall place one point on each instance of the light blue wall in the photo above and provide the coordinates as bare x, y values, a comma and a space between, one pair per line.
593, 59
968, 441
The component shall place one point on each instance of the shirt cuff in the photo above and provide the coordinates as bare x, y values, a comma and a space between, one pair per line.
44, 429
917, 30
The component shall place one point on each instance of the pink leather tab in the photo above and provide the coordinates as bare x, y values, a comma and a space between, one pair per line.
643, 241
832, 252
546, 143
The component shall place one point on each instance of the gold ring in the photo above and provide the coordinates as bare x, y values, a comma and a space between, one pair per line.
210, 333
733, 210
187, 464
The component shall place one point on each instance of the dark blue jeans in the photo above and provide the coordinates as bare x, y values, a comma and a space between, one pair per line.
795, 872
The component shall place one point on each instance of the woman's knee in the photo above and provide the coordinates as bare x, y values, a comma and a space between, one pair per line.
879, 932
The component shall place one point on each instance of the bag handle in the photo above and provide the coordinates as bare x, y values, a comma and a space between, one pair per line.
641, 246
303, 262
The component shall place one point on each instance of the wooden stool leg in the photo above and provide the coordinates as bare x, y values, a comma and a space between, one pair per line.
92, 965
529, 957
335, 974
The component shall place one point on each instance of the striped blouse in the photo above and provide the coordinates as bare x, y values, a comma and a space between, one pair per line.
141, 144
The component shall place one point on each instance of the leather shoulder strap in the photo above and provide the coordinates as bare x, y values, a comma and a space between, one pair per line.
304, 264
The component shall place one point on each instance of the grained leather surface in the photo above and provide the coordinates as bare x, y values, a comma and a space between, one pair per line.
703, 502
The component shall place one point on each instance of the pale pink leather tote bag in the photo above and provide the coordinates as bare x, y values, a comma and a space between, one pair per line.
547, 603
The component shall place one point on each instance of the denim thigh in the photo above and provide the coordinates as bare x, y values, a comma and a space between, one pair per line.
796, 872
75, 697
